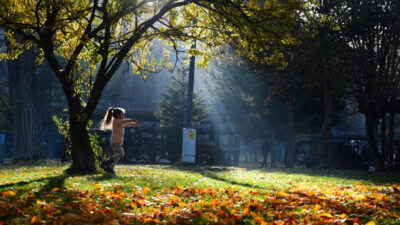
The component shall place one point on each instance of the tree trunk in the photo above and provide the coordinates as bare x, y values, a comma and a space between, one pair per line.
383, 139
27, 127
83, 160
391, 141
246, 152
290, 138
371, 125
236, 152
273, 154
152, 153
326, 129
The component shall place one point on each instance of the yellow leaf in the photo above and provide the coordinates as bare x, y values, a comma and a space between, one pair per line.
281, 194
325, 215
359, 197
35, 219
55, 189
11, 193
317, 207
370, 223
146, 190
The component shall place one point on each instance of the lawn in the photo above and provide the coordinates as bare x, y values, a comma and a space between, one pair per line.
138, 194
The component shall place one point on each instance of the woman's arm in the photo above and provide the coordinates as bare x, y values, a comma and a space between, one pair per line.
130, 123
126, 122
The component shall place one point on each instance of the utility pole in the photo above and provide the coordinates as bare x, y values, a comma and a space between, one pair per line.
189, 103
189, 134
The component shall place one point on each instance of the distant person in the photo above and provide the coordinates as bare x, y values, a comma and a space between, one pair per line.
265, 149
300, 159
115, 121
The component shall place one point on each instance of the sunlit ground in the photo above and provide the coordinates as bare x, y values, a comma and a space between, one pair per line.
140, 194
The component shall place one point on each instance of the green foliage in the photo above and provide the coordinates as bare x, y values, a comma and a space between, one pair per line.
87, 33
172, 110
96, 142
63, 125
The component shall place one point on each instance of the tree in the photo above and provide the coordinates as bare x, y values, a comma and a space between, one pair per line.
172, 111
271, 104
236, 90
5, 107
372, 31
308, 65
52, 102
94, 37
323, 36
27, 127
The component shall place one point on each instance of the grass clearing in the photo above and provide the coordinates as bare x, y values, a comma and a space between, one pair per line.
137, 194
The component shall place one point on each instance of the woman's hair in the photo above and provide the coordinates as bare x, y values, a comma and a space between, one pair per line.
110, 114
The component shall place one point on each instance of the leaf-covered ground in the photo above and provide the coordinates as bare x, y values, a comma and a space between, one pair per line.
140, 194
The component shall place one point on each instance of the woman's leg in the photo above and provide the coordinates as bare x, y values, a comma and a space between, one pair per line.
118, 153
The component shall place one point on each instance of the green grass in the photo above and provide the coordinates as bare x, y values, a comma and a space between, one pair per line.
192, 194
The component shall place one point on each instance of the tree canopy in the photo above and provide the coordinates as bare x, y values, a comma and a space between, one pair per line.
85, 41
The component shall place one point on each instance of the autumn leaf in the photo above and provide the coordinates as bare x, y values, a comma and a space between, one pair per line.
146, 190
317, 207
35, 220
324, 214
281, 194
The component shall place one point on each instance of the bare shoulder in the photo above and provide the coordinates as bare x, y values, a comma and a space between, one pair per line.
117, 122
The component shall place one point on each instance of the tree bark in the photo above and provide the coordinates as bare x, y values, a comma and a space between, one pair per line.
371, 125
326, 129
290, 137
27, 127
83, 160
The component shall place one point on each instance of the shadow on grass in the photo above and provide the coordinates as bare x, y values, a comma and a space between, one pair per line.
361, 176
31, 164
212, 173
105, 177
56, 181
375, 178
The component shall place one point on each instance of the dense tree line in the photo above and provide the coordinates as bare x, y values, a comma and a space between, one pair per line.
347, 51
